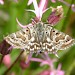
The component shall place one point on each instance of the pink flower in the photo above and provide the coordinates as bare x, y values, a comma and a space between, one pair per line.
50, 62
59, 71
30, 2
53, 1
39, 9
45, 61
7, 60
1, 2
69, 5
46, 72
73, 7
51, 72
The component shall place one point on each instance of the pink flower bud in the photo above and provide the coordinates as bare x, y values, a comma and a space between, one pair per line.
13, 73
53, 1
7, 60
5, 48
24, 65
56, 15
46, 72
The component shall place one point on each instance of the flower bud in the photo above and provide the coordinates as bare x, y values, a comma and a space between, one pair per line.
5, 48
24, 65
56, 15
7, 60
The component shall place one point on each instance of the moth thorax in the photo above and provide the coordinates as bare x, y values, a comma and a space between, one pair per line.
40, 31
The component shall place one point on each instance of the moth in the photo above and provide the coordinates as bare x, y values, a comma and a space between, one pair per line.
40, 37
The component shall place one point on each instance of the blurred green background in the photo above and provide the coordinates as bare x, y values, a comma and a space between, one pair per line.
8, 13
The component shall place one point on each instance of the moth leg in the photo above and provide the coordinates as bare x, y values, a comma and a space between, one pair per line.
38, 52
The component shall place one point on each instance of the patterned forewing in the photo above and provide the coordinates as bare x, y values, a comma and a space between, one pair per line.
60, 40
55, 40
20, 39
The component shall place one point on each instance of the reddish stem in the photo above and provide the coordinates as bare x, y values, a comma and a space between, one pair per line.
6, 72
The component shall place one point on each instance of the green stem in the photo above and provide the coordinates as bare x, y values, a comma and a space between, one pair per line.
67, 18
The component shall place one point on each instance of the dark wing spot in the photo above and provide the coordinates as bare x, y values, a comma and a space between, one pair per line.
46, 32
53, 30
57, 33
26, 30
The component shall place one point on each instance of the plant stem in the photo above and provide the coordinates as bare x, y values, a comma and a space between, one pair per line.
5, 73
67, 17
1, 59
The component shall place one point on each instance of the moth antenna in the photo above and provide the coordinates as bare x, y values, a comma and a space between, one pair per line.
20, 24
23, 25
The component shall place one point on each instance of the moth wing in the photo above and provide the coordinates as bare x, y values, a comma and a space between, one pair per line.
60, 40
19, 39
